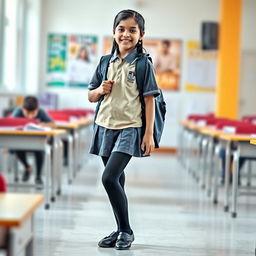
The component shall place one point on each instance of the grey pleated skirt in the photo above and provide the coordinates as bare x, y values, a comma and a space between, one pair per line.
105, 141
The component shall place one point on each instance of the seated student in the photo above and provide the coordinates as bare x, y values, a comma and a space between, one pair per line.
30, 109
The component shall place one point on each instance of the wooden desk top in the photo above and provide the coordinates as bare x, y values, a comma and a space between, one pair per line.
235, 137
43, 133
16, 208
192, 125
253, 141
75, 124
211, 131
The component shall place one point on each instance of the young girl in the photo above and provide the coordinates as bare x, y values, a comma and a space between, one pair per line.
118, 122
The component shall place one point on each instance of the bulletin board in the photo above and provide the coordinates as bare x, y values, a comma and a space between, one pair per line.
201, 68
71, 59
167, 66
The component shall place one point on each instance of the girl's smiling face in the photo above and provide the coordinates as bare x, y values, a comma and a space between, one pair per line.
127, 34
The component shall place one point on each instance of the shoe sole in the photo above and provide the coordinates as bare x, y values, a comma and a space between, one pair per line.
122, 249
106, 246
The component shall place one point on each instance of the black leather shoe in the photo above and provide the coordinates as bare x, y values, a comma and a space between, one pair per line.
109, 241
26, 176
39, 181
124, 241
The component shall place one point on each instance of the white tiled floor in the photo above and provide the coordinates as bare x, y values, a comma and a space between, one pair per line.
169, 213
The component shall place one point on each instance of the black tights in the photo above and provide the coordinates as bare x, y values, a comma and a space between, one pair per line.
39, 155
113, 180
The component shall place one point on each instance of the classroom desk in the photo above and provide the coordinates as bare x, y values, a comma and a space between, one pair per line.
188, 132
38, 140
16, 222
194, 149
253, 142
75, 140
240, 141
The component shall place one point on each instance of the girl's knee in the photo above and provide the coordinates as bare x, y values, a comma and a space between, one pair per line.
107, 180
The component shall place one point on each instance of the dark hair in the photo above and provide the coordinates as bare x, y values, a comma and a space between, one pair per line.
80, 51
30, 103
166, 42
124, 15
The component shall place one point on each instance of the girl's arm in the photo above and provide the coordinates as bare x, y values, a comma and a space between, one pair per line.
104, 88
148, 144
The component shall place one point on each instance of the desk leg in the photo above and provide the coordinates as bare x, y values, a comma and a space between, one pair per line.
76, 153
204, 161
30, 248
198, 157
54, 172
59, 166
70, 158
249, 173
48, 175
216, 171
235, 182
227, 176
210, 167
189, 150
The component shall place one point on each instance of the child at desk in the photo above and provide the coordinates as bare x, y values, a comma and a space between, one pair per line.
30, 109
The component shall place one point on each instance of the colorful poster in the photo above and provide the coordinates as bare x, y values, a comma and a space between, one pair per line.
72, 60
166, 56
57, 59
202, 66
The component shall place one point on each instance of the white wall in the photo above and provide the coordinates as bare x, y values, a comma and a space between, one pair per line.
179, 19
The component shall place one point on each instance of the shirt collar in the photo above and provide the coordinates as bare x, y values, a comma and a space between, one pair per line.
129, 58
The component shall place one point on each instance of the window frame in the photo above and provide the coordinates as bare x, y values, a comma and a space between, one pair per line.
2, 22
19, 45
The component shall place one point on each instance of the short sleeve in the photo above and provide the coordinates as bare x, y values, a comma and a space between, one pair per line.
17, 112
43, 116
150, 86
96, 79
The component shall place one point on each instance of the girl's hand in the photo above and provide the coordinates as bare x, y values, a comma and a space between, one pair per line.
147, 144
106, 87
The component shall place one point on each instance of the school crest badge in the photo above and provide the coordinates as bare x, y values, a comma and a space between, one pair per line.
131, 77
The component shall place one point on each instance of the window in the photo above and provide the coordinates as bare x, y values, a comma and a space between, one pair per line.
11, 46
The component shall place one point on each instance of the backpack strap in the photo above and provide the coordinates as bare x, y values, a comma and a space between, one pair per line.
140, 70
104, 65
141, 67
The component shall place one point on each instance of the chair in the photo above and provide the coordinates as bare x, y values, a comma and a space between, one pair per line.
3, 186
17, 121
58, 115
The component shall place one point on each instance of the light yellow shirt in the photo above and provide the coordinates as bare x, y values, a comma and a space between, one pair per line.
121, 108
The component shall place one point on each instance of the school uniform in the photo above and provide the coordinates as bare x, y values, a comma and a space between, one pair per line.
118, 125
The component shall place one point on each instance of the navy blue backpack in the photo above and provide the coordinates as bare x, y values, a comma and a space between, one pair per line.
160, 105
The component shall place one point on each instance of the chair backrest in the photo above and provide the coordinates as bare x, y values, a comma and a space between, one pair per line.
229, 122
214, 120
200, 117
249, 119
4, 122
245, 129
58, 115
3, 186
79, 112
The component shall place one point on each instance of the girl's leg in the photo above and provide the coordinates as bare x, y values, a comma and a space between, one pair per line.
111, 180
121, 181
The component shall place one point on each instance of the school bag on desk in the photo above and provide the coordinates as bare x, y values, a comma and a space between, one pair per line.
160, 105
